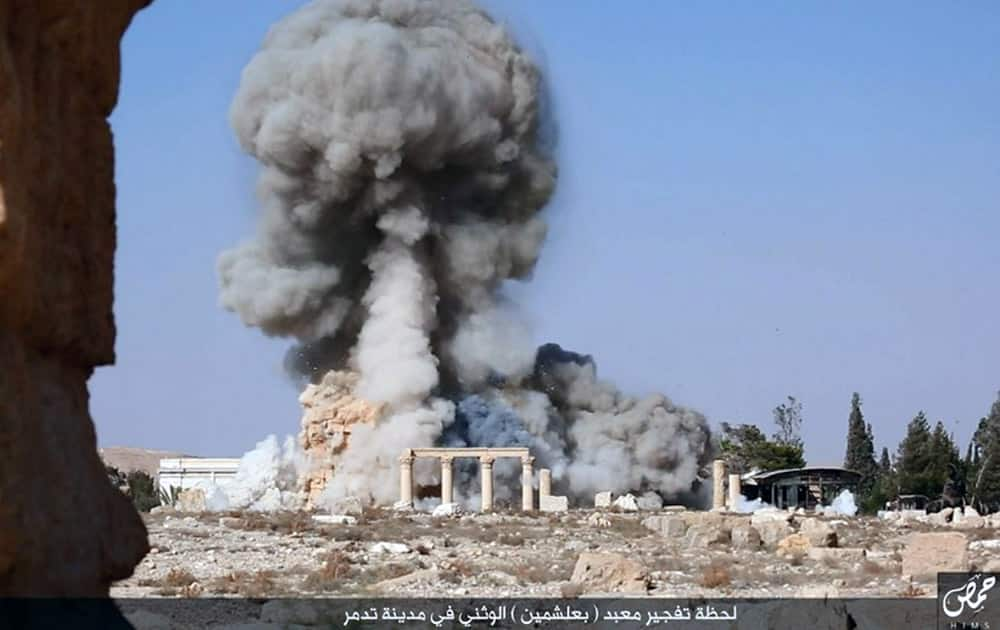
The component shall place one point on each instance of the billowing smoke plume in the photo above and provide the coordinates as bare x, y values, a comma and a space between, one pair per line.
404, 166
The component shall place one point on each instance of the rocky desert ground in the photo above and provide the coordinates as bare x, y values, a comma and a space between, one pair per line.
672, 552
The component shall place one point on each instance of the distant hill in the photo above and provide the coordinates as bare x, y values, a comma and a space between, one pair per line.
127, 459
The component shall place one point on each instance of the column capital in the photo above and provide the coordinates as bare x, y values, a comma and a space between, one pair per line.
486, 460
406, 460
528, 460
447, 459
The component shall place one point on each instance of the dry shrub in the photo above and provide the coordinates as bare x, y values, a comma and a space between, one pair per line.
245, 583
336, 567
284, 522
570, 590
354, 533
831, 562
483, 534
511, 540
666, 563
912, 590
873, 568
714, 576
176, 582
628, 527
372, 513
388, 571
177, 578
454, 571
539, 573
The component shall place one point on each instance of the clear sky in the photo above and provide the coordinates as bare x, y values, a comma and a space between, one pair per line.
755, 199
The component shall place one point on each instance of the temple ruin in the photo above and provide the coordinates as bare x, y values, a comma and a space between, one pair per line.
486, 458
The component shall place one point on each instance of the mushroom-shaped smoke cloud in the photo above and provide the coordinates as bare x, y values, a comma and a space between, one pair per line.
403, 173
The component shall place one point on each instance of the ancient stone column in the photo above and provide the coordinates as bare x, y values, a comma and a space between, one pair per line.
486, 476
718, 484
527, 495
734, 491
406, 479
447, 489
544, 483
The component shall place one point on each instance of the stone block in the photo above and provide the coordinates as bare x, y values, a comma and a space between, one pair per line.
771, 532
794, 545
667, 526
746, 537
347, 505
650, 501
447, 509
820, 533
702, 536
553, 504
609, 573
838, 554
602, 500
928, 554
626, 503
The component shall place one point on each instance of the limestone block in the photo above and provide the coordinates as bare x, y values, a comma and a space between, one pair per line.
667, 526
447, 509
794, 545
609, 573
551, 503
602, 500
626, 503
746, 537
191, 500
820, 533
928, 554
650, 501
771, 532
702, 536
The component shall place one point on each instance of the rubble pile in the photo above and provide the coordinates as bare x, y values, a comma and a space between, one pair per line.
329, 411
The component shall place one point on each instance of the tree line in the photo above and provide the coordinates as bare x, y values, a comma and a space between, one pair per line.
927, 462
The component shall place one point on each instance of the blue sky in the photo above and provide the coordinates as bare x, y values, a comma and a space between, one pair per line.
755, 200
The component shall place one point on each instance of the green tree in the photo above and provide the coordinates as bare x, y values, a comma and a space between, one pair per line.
943, 457
142, 490
914, 469
116, 477
886, 486
985, 486
788, 423
860, 456
746, 448
885, 464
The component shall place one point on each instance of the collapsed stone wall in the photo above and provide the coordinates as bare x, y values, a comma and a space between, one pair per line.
63, 529
329, 411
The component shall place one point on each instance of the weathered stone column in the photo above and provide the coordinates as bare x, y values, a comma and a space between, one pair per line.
406, 479
544, 483
527, 495
734, 491
447, 488
718, 484
486, 476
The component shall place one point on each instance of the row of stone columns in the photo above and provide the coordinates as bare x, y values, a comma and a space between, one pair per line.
718, 487
485, 475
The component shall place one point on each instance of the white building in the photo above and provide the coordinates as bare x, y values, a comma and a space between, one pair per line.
191, 472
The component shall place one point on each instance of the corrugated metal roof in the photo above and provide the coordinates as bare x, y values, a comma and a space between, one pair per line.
788, 472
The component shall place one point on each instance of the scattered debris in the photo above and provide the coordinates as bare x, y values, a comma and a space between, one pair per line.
626, 503
602, 500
